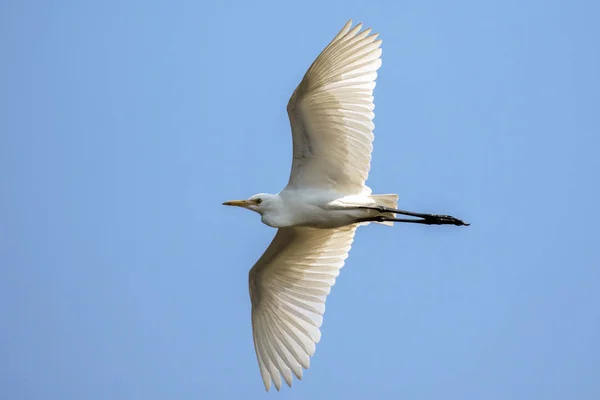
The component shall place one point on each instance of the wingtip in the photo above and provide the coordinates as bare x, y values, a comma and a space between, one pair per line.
267, 383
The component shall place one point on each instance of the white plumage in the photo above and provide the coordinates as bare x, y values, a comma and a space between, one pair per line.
317, 213
331, 114
288, 288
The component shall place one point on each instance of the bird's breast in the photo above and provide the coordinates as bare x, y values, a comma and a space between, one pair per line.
322, 218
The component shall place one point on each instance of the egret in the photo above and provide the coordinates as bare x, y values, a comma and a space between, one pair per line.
325, 200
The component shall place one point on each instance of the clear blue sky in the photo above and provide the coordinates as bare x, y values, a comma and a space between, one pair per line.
124, 125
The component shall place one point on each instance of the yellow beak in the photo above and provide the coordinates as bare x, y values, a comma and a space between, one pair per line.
239, 203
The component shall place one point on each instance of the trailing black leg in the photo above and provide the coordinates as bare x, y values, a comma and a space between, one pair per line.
428, 219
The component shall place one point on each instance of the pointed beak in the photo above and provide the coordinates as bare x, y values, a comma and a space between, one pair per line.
239, 203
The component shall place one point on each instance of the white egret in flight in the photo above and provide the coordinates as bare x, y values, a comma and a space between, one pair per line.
325, 200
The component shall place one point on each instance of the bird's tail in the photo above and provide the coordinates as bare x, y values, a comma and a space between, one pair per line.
386, 200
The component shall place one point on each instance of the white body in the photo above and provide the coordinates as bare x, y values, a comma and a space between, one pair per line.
318, 209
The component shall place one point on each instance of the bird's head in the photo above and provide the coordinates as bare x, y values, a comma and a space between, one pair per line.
260, 203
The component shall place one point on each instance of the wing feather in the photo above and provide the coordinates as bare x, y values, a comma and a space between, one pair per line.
289, 285
331, 114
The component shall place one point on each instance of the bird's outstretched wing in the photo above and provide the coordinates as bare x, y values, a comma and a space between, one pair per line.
288, 288
331, 114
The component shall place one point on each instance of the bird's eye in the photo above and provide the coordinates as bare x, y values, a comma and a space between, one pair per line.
258, 201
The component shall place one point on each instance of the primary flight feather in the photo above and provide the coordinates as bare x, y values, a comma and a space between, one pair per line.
325, 200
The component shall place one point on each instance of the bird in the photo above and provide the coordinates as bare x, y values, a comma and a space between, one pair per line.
325, 200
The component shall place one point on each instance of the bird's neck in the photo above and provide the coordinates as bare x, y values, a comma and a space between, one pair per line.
276, 215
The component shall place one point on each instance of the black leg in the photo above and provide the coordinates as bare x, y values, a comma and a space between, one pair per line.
428, 219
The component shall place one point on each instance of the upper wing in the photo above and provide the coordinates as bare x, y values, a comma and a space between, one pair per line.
288, 288
331, 114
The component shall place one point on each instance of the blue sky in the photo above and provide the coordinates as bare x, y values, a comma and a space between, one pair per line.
124, 125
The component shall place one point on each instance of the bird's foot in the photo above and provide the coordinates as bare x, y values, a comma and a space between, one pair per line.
443, 219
